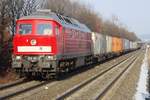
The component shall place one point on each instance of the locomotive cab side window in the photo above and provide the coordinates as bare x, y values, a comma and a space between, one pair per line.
57, 30
45, 29
25, 29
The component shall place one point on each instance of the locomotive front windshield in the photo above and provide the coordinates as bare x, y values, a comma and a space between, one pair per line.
25, 29
40, 27
44, 28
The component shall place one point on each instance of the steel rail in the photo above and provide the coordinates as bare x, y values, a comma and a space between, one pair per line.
4, 86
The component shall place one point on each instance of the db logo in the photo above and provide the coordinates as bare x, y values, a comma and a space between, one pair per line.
33, 42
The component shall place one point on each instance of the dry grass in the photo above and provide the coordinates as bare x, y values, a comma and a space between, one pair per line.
149, 70
7, 76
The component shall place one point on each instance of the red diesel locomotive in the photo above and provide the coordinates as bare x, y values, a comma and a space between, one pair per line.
46, 44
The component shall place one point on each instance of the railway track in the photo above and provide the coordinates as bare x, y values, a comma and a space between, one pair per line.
5, 86
20, 88
58, 87
24, 90
87, 89
108, 87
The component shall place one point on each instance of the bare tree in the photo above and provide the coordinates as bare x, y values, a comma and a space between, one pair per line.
84, 14
21, 8
76, 10
10, 11
57, 6
4, 18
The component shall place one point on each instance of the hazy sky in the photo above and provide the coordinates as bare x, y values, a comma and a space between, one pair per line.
135, 14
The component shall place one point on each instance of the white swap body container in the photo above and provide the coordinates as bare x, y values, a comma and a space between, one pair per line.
134, 45
131, 45
99, 43
109, 44
126, 44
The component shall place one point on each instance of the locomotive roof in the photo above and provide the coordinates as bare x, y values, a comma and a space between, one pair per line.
63, 20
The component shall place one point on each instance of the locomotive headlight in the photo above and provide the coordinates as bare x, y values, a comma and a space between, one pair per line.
33, 42
49, 58
18, 57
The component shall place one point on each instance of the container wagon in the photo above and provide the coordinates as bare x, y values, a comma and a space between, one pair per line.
126, 45
117, 45
99, 46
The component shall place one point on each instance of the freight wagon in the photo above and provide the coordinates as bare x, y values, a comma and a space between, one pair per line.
117, 45
99, 46
105, 46
126, 45
46, 44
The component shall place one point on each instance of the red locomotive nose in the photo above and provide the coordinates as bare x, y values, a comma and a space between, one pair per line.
34, 37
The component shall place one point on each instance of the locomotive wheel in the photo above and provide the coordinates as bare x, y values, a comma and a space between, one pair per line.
56, 76
21, 75
48, 76
43, 76
67, 70
28, 75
